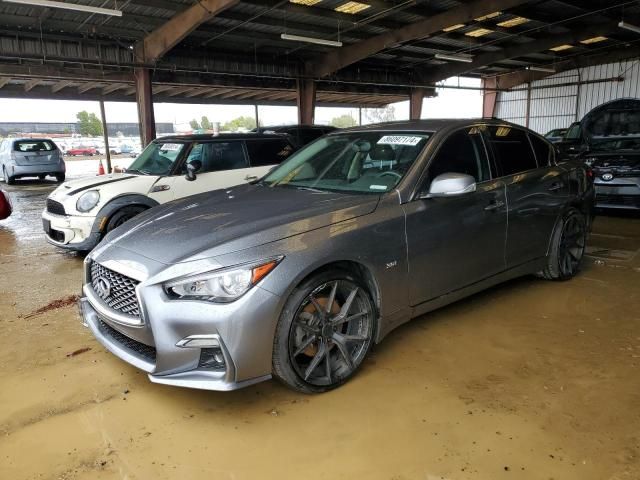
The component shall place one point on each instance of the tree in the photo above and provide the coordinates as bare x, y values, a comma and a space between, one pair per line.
206, 124
378, 115
89, 124
194, 124
343, 121
240, 123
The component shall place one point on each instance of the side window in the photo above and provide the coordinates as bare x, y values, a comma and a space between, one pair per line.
542, 150
268, 152
511, 149
462, 152
218, 156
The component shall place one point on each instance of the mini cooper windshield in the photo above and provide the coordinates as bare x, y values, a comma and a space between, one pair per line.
157, 159
359, 162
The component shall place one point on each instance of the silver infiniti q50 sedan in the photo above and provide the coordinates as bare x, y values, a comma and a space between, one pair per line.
299, 274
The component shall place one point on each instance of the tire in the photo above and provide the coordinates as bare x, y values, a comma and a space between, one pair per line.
303, 338
122, 216
7, 179
567, 247
60, 177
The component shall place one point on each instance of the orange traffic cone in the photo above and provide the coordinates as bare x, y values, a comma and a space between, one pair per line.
100, 168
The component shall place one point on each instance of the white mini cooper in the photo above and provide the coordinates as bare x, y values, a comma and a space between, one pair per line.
80, 212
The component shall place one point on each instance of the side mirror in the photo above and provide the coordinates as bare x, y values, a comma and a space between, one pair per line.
451, 184
192, 168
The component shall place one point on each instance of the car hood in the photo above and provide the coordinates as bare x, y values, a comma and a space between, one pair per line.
618, 118
226, 221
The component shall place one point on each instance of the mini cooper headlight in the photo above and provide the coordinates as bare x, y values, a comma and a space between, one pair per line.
88, 200
222, 286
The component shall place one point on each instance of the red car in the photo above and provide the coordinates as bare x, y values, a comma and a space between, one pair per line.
90, 151
5, 205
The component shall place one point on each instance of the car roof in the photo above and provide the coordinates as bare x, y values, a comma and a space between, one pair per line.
27, 139
314, 127
431, 125
220, 136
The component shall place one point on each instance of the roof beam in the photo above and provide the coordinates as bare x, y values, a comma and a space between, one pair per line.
112, 88
342, 57
28, 86
88, 86
168, 35
4, 81
442, 72
60, 85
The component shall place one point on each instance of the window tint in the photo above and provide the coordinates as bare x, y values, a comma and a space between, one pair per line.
541, 149
511, 149
268, 152
33, 146
462, 152
218, 156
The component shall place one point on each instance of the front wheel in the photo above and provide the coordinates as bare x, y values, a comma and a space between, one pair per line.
324, 332
567, 247
122, 216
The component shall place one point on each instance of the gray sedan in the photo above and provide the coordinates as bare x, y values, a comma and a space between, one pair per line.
299, 274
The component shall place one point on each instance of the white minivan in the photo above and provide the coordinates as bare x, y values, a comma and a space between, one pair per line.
80, 212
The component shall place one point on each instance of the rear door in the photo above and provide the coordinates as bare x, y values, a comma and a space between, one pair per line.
536, 190
264, 154
35, 152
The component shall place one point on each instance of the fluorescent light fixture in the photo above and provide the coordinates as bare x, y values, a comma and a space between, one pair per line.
317, 41
352, 7
479, 32
454, 58
487, 16
68, 6
628, 26
560, 48
453, 27
308, 3
589, 41
533, 68
513, 22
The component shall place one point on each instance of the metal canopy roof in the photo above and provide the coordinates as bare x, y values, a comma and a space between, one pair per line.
237, 56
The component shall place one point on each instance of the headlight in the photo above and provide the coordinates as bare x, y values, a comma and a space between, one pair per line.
88, 200
222, 286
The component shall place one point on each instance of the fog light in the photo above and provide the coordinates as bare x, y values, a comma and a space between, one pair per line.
211, 358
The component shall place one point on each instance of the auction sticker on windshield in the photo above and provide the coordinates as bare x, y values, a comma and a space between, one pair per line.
409, 140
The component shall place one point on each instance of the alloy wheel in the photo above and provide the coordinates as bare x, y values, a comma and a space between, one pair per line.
331, 332
572, 245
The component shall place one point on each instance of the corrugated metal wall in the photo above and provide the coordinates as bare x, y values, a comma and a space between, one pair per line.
558, 106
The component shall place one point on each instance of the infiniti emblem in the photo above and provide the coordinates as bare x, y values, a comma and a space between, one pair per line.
103, 287
607, 176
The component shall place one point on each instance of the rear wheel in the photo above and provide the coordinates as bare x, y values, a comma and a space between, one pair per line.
567, 247
41, 177
60, 177
123, 215
8, 180
324, 332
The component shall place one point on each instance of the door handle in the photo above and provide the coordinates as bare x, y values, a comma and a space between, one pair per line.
556, 186
250, 178
496, 204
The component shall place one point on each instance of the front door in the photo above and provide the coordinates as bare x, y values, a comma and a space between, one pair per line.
459, 240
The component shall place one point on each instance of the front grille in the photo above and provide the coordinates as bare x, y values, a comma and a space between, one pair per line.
55, 208
116, 290
145, 351
622, 200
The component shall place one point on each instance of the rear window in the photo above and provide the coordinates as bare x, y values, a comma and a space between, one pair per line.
33, 146
511, 149
268, 152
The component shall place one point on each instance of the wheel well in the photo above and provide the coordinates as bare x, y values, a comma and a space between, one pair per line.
358, 270
141, 206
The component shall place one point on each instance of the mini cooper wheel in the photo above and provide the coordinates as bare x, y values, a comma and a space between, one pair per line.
567, 248
324, 333
123, 215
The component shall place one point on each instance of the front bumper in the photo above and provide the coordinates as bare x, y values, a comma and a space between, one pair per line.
623, 192
243, 329
70, 232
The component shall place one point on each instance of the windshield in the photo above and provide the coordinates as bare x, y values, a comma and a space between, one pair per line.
360, 162
617, 144
157, 159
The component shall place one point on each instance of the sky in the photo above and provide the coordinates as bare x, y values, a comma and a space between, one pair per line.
450, 103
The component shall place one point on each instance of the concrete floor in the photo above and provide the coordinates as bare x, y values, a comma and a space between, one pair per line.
530, 380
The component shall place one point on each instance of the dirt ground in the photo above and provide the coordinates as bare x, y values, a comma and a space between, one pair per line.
530, 380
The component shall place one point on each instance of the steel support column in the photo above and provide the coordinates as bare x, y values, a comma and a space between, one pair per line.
489, 97
306, 98
415, 103
144, 99
105, 135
